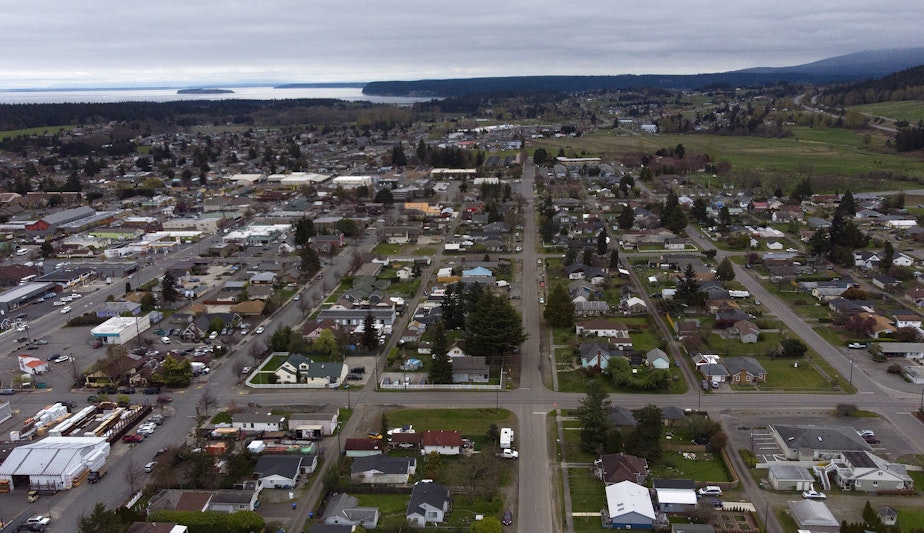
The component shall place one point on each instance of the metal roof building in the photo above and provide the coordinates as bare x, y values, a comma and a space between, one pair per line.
53, 462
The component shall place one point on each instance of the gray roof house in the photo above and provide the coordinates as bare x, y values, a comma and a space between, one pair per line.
595, 354
376, 469
656, 358
430, 503
469, 369
230, 501
345, 510
813, 515
283, 471
743, 370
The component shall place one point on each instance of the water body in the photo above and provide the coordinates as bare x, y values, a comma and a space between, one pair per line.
61, 96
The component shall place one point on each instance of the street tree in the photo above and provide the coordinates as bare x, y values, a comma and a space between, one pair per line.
614, 259
699, 210
101, 520
304, 231
725, 271
311, 263
441, 368
370, 338
559, 309
494, 328
593, 413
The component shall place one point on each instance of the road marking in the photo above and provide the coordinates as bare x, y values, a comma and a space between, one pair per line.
543, 413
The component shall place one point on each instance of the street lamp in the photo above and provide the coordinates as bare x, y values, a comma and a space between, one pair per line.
851, 370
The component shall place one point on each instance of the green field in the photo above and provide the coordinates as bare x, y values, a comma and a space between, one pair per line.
587, 494
706, 467
34, 131
910, 110
471, 422
809, 152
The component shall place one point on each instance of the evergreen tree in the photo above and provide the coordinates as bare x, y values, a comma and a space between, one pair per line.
593, 413
559, 309
725, 216
778, 192
700, 210
725, 271
494, 328
688, 287
370, 337
441, 368
398, 158
645, 440
848, 205
304, 231
888, 257
601, 242
168, 288
626, 218
614, 259
311, 263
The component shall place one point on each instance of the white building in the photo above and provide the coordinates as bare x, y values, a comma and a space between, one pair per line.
119, 330
54, 462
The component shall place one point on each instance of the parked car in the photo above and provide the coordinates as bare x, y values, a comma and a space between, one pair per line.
151, 390
245, 370
508, 518
7, 392
813, 494
98, 343
66, 309
61, 358
93, 398
126, 390
43, 342
133, 437
150, 466
164, 399
165, 340
710, 490
259, 330
856, 345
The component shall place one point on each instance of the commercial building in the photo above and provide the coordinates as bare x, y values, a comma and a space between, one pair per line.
53, 463
119, 330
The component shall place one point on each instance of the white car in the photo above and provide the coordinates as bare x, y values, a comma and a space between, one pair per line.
813, 494
856, 346
710, 490
61, 359
297, 297
22, 327
259, 330
150, 466
66, 309
165, 340
59, 303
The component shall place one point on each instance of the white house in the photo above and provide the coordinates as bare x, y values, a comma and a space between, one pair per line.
282, 471
251, 422
32, 365
441, 442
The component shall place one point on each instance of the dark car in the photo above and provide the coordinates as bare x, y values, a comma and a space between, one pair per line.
133, 437
358, 370
21, 316
164, 399
508, 518
126, 390
93, 398
871, 439
22, 339
151, 390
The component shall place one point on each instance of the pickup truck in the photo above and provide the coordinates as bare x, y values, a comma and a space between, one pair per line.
509, 454
96, 475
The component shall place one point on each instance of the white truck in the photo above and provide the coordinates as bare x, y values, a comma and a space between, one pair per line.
506, 438
199, 368
509, 454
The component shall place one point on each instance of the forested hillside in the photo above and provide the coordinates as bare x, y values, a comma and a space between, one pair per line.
905, 85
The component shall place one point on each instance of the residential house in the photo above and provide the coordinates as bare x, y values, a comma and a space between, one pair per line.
866, 259
916, 295
282, 471
442, 442
907, 320
231, 501
902, 260
603, 328
113, 309
618, 467
258, 422
430, 503
361, 447
635, 305
381, 469
711, 367
343, 509
470, 370
747, 331
157, 527
656, 358
621, 417
314, 425
455, 351
595, 354
886, 282
628, 506
745, 370
878, 324
908, 350
299, 369
867, 472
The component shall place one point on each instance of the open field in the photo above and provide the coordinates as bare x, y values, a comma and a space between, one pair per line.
810, 151
910, 110
34, 131
468, 421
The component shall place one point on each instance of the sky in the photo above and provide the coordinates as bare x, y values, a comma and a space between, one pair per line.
124, 43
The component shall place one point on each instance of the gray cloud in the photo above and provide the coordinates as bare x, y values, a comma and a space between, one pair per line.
106, 42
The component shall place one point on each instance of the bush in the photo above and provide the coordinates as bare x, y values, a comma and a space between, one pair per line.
750, 460
894, 368
846, 410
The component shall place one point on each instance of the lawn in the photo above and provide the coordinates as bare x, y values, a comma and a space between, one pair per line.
28, 132
471, 422
782, 375
572, 445
706, 467
727, 347
911, 518
587, 495
910, 110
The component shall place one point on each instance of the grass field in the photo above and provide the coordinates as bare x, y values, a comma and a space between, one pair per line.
34, 131
706, 467
468, 421
587, 495
910, 110
810, 151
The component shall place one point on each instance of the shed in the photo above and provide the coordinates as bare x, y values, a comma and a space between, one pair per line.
813, 515
789, 477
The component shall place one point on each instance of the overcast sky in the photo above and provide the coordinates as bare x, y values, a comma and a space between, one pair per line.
57, 43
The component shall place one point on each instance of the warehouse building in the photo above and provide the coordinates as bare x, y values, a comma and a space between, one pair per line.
54, 463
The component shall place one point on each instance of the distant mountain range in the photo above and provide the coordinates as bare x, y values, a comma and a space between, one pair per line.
840, 69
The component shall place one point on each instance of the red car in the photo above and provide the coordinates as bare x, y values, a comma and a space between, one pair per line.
164, 399
133, 437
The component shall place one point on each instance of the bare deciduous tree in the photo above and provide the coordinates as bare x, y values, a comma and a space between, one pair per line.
207, 399
133, 471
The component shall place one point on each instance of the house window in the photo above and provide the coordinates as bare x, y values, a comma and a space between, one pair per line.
737, 378
431, 514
